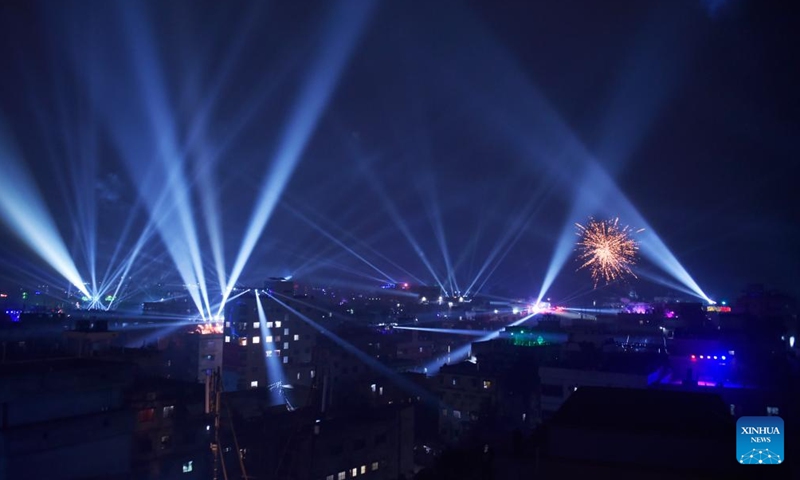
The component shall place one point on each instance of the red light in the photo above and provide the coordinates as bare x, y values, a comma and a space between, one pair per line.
694, 357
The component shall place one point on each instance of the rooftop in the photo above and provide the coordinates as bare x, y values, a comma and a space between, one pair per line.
617, 362
468, 368
21, 368
645, 411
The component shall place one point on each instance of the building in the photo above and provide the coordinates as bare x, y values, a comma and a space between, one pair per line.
373, 443
181, 305
89, 337
638, 433
191, 354
280, 350
466, 393
172, 432
560, 379
65, 419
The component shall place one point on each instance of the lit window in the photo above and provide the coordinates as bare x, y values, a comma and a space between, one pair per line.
146, 415
380, 390
187, 467
256, 324
373, 387
166, 440
296, 338
268, 339
256, 339
487, 384
312, 373
243, 341
285, 345
457, 413
354, 472
298, 375
341, 476
374, 466
286, 331
254, 383
227, 324
363, 469
269, 353
168, 411
329, 477
269, 324
285, 359
733, 409
227, 339
455, 381
277, 324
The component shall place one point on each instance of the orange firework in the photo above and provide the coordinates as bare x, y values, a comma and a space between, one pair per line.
607, 249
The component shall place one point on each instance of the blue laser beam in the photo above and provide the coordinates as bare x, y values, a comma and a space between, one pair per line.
338, 41
23, 209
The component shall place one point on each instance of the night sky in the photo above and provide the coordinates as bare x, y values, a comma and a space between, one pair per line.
462, 124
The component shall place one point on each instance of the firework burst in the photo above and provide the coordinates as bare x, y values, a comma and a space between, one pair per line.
607, 249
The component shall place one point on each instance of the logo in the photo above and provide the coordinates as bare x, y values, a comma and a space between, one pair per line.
759, 440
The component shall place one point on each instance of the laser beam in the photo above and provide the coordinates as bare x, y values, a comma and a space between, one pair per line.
23, 209
338, 41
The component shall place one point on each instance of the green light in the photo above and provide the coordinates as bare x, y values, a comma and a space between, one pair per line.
109, 298
540, 340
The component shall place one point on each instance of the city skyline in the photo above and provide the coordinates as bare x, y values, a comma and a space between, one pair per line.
159, 147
